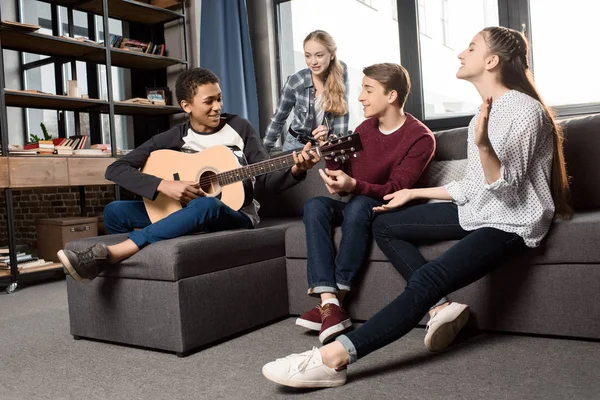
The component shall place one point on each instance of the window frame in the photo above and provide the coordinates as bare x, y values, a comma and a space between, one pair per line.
513, 14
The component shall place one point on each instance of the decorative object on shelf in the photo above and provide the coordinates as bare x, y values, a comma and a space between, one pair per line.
36, 139
72, 89
158, 95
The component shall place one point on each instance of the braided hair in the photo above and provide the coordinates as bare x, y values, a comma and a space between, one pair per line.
512, 48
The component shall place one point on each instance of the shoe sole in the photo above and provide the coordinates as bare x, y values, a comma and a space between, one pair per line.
329, 333
313, 326
300, 384
445, 334
65, 262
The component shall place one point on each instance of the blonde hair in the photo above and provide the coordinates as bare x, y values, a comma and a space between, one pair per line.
334, 94
512, 48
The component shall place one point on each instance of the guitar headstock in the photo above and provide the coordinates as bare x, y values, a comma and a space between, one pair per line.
341, 146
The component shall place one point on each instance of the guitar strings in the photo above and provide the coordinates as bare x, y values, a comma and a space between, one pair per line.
253, 168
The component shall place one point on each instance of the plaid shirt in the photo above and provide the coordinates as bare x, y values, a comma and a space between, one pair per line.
299, 94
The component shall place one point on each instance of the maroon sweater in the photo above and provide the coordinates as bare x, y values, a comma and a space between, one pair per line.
391, 162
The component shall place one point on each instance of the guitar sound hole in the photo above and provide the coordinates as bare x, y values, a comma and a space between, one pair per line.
209, 183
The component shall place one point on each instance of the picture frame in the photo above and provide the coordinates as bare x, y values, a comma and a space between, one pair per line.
158, 95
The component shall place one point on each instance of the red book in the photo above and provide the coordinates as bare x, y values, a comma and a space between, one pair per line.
31, 146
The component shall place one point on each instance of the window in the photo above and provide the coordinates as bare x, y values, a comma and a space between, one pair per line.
443, 94
445, 25
422, 11
355, 48
367, 3
565, 60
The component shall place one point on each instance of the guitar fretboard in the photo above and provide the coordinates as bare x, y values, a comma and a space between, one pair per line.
250, 171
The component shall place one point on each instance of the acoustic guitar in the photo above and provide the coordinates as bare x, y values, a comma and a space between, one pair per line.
219, 173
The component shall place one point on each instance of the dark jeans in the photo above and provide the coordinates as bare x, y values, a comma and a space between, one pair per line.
201, 214
397, 233
326, 272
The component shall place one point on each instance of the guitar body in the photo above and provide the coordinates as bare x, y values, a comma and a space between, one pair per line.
174, 165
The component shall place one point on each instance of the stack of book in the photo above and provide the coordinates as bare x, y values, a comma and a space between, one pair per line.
25, 261
124, 43
70, 145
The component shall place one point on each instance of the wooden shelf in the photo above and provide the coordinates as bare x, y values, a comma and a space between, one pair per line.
134, 60
49, 267
129, 10
49, 45
5, 273
39, 43
17, 98
142, 109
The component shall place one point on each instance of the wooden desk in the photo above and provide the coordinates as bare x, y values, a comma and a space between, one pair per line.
48, 171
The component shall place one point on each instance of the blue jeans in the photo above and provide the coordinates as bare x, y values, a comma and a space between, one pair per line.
201, 214
397, 233
290, 142
326, 272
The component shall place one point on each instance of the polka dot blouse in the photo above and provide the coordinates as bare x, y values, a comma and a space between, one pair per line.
520, 201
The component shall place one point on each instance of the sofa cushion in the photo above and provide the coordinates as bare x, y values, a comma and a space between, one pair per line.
441, 172
186, 256
451, 144
582, 152
571, 241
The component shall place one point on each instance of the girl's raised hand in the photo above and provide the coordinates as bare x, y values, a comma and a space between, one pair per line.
481, 125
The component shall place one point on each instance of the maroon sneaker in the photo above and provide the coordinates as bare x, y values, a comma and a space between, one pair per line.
311, 319
334, 321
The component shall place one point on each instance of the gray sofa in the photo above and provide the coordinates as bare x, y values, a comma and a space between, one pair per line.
182, 294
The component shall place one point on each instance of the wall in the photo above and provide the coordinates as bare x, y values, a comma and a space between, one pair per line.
32, 204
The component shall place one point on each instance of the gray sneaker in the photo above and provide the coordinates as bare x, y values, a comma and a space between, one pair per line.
86, 264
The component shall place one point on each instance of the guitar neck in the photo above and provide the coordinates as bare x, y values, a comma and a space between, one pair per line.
253, 170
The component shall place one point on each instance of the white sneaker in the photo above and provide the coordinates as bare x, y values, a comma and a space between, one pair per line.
305, 370
443, 327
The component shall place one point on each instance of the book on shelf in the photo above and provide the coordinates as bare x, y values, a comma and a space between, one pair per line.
141, 100
82, 39
14, 25
124, 43
91, 153
5, 261
34, 264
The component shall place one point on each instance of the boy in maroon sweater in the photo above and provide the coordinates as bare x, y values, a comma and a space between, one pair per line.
396, 149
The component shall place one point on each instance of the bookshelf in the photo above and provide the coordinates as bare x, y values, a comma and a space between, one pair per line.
60, 171
39, 43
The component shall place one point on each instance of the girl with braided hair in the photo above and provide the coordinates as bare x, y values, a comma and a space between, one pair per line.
317, 97
515, 184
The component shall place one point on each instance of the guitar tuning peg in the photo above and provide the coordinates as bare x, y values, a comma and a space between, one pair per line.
352, 149
349, 132
336, 159
355, 155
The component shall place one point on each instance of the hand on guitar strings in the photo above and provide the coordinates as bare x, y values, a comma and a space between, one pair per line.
338, 182
183, 191
304, 160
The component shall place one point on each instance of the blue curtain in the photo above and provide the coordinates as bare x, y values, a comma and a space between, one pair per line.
225, 49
